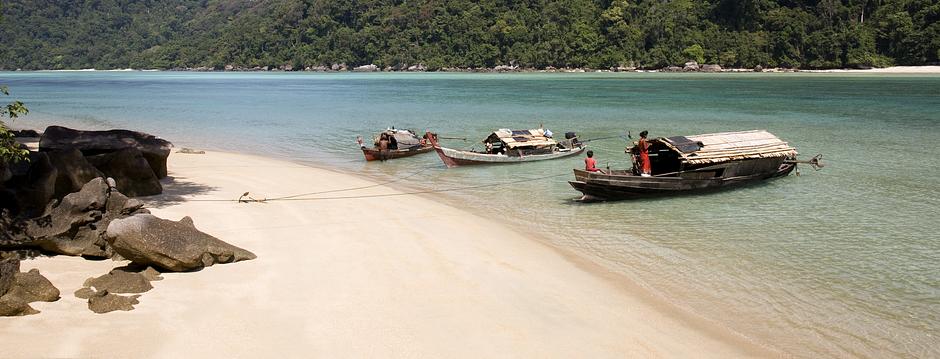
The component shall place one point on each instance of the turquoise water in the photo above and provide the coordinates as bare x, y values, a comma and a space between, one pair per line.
840, 262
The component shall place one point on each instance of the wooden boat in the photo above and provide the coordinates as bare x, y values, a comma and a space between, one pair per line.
405, 143
511, 146
690, 164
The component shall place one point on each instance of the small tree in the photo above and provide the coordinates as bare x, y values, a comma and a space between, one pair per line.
694, 53
9, 150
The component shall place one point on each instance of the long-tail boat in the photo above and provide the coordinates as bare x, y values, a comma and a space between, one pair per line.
511, 146
399, 143
688, 164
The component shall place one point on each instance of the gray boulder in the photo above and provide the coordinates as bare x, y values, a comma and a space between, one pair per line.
76, 225
33, 287
711, 68
691, 66
73, 171
11, 306
26, 288
67, 227
130, 170
76, 209
175, 246
366, 68
155, 150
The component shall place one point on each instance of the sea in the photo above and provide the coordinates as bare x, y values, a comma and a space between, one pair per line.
840, 262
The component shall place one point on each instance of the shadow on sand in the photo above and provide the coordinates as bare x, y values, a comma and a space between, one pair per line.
176, 190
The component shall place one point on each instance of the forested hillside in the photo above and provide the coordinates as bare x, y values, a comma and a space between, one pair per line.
108, 34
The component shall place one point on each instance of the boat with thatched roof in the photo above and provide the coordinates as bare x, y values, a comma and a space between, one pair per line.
686, 164
511, 146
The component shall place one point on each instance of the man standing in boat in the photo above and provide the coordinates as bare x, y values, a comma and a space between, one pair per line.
643, 148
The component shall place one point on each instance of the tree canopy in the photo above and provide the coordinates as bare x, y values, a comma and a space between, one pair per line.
109, 34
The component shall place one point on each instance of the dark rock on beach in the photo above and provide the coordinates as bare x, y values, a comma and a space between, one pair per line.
104, 302
120, 281
18, 289
25, 133
73, 171
130, 170
76, 225
9, 266
33, 287
175, 246
39, 185
155, 150
131, 279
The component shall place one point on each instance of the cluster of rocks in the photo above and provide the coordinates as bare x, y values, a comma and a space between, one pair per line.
68, 158
341, 67
99, 222
104, 293
18, 289
693, 66
81, 178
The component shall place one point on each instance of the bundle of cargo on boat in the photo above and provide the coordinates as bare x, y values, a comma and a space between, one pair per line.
684, 164
511, 146
395, 143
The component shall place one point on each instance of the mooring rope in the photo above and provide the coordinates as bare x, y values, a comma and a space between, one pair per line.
246, 198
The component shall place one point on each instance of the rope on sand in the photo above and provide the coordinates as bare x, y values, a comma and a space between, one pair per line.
247, 198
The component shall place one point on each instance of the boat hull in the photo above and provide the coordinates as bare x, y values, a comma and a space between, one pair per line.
455, 158
372, 154
627, 186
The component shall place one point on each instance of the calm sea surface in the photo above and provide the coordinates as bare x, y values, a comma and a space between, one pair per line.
840, 262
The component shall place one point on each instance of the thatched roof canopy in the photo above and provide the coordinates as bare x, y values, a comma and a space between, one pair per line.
728, 146
520, 138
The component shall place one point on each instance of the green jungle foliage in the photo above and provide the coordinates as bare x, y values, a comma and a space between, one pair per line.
108, 34
9, 150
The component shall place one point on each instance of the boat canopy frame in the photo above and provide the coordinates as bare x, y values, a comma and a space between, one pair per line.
720, 147
513, 139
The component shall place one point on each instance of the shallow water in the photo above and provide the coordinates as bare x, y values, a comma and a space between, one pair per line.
840, 262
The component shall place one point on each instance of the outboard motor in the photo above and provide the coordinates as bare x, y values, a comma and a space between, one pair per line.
573, 137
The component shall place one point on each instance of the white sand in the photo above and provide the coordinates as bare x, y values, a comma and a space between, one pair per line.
888, 70
377, 277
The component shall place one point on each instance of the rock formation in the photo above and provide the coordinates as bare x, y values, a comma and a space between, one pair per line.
104, 302
153, 149
175, 246
75, 226
73, 171
130, 170
18, 289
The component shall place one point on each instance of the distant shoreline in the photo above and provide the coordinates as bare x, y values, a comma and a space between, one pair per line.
932, 69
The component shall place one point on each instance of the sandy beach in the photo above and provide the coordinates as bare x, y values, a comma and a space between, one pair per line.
398, 276
887, 70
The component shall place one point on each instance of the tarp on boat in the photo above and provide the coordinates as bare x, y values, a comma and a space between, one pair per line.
728, 146
404, 138
521, 138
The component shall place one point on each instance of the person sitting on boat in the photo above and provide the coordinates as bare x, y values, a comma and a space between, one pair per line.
383, 142
590, 164
644, 145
